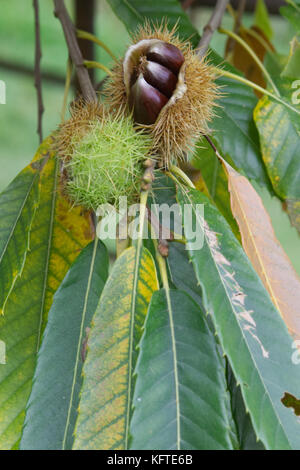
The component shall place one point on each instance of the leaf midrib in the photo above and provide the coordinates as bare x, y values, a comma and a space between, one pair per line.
10, 238
175, 362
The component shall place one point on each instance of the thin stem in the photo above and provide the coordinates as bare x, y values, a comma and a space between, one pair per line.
92, 64
67, 88
74, 51
91, 37
253, 85
178, 172
252, 54
212, 26
163, 270
37, 68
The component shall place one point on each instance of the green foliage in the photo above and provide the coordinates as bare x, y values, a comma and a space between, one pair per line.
133, 13
52, 406
279, 130
57, 234
178, 355
182, 352
262, 19
292, 13
247, 438
246, 323
234, 129
105, 404
292, 68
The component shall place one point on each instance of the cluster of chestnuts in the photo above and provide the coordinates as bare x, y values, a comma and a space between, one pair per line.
167, 89
156, 105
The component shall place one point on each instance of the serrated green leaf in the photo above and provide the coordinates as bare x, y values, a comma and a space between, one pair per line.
182, 273
58, 234
251, 331
18, 203
134, 13
184, 278
242, 432
52, 406
105, 403
180, 392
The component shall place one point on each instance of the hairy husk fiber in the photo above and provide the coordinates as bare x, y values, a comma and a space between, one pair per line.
102, 156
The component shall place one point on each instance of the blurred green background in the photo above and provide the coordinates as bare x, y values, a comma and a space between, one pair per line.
18, 137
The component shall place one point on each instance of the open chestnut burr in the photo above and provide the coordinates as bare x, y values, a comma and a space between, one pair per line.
166, 88
154, 80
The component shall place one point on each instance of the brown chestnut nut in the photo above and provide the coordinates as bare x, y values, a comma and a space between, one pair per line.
146, 101
154, 78
166, 54
160, 77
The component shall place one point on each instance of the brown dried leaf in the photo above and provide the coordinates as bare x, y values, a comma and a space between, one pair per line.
264, 250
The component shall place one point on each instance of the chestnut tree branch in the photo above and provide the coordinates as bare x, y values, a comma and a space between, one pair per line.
212, 26
84, 80
37, 68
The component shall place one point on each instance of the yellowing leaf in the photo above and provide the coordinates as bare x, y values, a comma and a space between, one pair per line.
279, 131
18, 203
264, 250
58, 234
105, 406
